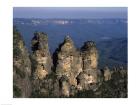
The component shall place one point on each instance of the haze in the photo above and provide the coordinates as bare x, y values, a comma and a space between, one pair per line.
70, 12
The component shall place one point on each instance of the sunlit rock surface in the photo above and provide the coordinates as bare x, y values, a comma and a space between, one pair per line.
41, 56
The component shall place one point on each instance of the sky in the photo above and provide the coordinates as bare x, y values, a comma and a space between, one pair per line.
70, 12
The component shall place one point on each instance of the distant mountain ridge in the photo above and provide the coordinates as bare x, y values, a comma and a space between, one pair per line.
38, 21
113, 52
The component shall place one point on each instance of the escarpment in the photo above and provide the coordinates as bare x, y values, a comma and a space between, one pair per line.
63, 74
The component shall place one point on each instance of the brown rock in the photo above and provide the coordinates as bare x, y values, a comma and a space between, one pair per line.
69, 62
21, 67
89, 56
107, 74
41, 56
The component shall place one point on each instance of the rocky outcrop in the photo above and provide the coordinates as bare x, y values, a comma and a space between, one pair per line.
80, 67
71, 71
65, 57
89, 76
41, 57
43, 80
89, 56
21, 67
64, 86
69, 63
69, 60
107, 74
116, 87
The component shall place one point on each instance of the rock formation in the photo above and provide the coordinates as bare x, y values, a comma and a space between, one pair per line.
107, 74
90, 63
69, 72
21, 67
69, 62
41, 56
41, 66
80, 67
64, 86
90, 56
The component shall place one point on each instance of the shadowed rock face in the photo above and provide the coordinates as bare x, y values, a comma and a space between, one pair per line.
64, 86
89, 56
90, 63
21, 67
41, 56
43, 80
107, 74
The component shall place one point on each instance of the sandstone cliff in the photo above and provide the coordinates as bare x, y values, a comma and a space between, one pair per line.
89, 75
69, 64
80, 68
67, 73
21, 67
41, 56
42, 73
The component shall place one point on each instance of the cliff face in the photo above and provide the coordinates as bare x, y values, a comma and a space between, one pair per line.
69, 64
79, 67
42, 67
41, 56
21, 67
90, 56
69, 72
89, 76
69, 60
